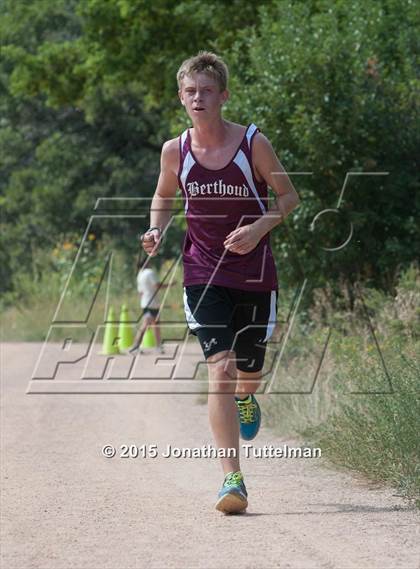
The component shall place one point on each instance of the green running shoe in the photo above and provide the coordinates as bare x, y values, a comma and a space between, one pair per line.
233, 495
249, 417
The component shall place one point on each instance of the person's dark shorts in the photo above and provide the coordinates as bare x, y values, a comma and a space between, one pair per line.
225, 318
153, 311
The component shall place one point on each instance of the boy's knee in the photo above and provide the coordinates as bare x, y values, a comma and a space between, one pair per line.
147, 320
222, 371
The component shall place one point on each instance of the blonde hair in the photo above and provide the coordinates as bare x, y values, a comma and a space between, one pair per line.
205, 62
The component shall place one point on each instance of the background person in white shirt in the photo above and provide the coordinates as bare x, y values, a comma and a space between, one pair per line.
148, 287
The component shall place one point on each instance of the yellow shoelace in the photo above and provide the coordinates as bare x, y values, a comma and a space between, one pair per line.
246, 412
233, 479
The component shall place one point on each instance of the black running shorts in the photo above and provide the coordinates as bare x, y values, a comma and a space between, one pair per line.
225, 318
152, 311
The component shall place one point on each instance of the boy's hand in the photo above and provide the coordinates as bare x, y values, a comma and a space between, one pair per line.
243, 239
151, 241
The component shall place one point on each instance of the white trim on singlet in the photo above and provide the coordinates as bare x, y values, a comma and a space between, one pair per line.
183, 139
251, 129
186, 167
242, 162
273, 316
192, 322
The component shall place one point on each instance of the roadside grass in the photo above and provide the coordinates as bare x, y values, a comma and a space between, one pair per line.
29, 319
364, 408
376, 433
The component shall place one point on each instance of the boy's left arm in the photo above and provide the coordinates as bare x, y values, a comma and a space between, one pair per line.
268, 166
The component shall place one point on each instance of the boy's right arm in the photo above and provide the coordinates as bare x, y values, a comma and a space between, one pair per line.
161, 206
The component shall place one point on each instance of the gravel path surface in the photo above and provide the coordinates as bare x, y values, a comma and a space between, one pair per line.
66, 506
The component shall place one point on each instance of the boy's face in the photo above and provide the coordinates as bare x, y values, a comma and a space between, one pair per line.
201, 96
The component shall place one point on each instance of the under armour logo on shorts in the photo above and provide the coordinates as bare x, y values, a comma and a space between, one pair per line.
208, 345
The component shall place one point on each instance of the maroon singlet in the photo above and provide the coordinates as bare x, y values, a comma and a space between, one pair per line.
217, 202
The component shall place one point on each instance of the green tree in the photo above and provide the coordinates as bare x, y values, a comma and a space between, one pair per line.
88, 95
334, 87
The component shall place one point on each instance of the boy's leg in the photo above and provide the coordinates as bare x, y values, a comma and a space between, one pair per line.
208, 311
247, 382
156, 329
223, 414
259, 310
232, 497
144, 324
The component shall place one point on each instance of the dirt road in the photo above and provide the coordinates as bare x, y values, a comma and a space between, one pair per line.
66, 506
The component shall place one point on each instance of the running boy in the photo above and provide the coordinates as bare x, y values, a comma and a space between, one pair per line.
223, 170
148, 287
